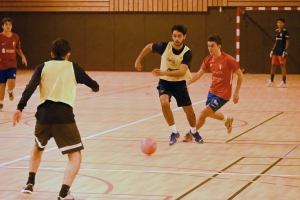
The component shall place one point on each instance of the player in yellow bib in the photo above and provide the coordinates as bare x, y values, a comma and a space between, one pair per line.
173, 73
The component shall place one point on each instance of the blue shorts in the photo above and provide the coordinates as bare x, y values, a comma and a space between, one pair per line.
215, 102
7, 74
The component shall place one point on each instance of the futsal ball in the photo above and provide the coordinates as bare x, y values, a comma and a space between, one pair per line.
148, 146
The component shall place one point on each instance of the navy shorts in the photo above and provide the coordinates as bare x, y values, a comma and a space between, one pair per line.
178, 89
66, 136
7, 74
215, 102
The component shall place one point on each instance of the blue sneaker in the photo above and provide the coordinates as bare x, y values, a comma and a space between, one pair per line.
197, 137
173, 138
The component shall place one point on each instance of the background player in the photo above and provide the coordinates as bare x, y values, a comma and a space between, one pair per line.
10, 44
279, 53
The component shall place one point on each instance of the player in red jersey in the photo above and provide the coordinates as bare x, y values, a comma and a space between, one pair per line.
10, 45
222, 67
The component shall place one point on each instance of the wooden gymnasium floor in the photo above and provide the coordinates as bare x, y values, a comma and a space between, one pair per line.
260, 159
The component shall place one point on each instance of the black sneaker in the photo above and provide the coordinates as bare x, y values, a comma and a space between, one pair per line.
173, 138
27, 189
1, 106
197, 137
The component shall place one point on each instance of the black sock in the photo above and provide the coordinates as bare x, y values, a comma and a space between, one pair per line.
31, 178
64, 190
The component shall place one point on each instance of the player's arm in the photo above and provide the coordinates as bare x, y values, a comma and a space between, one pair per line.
143, 53
196, 77
240, 77
185, 64
287, 44
177, 73
20, 52
29, 90
82, 77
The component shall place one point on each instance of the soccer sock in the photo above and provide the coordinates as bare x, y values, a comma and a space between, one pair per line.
225, 118
193, 130
64, 190
31, 178
272, 77
284, 79
173, 128
1, 102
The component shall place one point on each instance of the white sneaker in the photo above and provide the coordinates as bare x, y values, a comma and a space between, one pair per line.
69, 197
282, 85
270, 84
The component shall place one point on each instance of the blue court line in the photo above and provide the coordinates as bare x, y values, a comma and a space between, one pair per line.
291, 150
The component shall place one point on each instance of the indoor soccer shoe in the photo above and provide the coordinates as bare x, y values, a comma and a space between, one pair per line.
1, 106
270, 84
69, 197
27, 189
281, 85
11, 95
228, 124
173, 138
188, 137
197, 137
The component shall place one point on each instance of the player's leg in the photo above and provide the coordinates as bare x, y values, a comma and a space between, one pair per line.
11, 82
166, 109
3, 80
275, 62
70, 174
68, 140
42, 135
283, 71
165, 97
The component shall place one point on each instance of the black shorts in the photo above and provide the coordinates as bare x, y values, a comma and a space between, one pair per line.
66, 136
178, 89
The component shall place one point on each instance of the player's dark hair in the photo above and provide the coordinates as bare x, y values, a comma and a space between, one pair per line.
215, 38
6, 20
281, 19
60, 47
179, 28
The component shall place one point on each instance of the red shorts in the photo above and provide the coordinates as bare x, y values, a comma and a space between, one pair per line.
278, 60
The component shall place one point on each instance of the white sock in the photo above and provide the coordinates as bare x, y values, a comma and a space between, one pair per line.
193, 130
173, 128
225, 118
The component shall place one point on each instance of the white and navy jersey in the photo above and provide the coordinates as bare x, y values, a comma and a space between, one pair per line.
281, 36
55, 99
171, 59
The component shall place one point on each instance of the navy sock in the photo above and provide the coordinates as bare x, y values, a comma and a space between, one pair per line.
31, 178
284, 79
272, 77
64, 190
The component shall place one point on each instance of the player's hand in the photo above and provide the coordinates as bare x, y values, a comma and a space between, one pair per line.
138, 66
271, 54
158, 72
24, 61
17, 117
236, 98
285, 54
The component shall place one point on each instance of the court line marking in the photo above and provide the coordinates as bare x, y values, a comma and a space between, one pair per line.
255, 179
161, 171
291, 150
101, 133
207, 180
253, 127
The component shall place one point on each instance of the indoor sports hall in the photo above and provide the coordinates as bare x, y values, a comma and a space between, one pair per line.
259, 159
